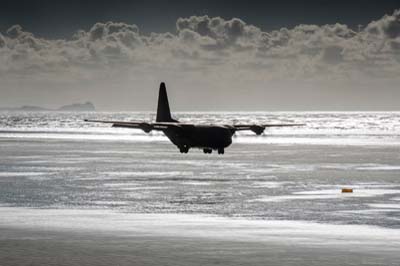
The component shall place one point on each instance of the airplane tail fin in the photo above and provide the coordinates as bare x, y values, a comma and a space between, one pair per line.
163, 112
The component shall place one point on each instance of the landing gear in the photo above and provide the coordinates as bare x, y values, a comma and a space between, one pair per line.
184, 149
207, 150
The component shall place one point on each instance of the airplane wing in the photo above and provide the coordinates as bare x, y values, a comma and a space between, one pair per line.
145, 126
259, 128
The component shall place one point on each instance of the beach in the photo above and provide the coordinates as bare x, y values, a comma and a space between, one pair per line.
100, 196
93, 237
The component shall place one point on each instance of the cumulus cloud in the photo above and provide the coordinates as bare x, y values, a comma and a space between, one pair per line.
2, 41
388, 26
203, 42
210, 47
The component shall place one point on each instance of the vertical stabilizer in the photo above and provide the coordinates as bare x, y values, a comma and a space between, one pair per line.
163, 112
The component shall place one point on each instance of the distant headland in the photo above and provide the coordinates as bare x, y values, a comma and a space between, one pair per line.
76, 107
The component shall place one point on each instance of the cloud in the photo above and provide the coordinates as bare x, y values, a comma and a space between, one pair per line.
203, 42
2, 41
388, 26
206, 47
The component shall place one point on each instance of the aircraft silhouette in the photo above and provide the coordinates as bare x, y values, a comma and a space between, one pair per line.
187, 135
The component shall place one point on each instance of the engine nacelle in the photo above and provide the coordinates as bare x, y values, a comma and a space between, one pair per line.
146, 127
257, 129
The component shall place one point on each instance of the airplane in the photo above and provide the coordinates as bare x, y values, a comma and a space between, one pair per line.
188, 135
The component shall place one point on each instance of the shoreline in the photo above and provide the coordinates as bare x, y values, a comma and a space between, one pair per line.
196, 225
101, 237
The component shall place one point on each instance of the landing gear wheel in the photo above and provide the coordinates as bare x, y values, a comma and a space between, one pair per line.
207, 150
221, 151
184, 149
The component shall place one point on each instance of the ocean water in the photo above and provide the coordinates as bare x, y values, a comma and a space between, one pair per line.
54, 160
350, 128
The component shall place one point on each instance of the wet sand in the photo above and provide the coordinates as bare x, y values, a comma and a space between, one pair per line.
93, 237
74, 202
24, 247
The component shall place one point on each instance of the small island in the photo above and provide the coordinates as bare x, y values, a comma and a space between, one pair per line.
87, 106
75, 107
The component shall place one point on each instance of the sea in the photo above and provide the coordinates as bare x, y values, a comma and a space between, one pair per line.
55, 160
79, 193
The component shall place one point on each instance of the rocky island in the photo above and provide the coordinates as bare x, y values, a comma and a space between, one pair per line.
75, 107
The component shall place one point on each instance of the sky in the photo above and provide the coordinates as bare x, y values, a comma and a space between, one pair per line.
213, 55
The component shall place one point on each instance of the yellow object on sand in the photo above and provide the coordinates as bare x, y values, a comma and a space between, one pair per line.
347, 190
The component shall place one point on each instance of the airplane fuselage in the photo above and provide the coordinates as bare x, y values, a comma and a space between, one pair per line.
188, 135
200, 136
